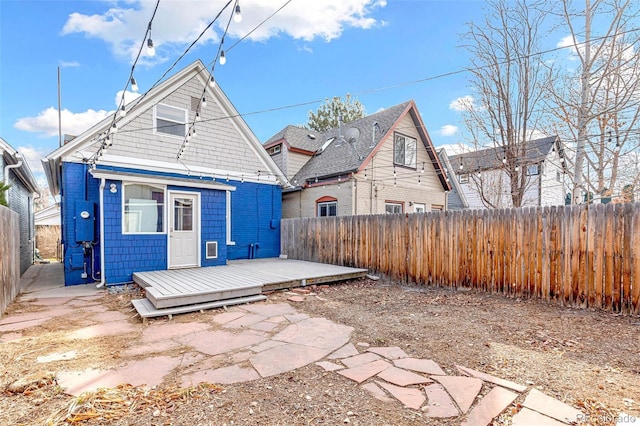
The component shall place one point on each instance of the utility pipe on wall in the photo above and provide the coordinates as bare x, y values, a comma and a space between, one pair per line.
101, 191
12, 166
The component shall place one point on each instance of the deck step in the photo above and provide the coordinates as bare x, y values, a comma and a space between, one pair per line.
146, 309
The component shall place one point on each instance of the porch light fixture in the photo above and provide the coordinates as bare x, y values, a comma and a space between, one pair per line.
134, 84
223, 58
237, 14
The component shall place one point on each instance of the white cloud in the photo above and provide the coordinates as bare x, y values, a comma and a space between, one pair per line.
464, 103
46, 122
455, 148
448, 130
69, 64
33, 156
567, 42
128, 97
177, 24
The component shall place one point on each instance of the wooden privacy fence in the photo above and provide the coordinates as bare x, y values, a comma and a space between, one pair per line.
582, 256
9, 257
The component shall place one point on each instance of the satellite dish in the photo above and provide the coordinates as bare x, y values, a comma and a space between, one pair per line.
352, 134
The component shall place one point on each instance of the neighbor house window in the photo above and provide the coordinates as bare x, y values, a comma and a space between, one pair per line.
419, 208
170, 120
533, 170
143, 209
391, 208
274, 150
404, 151
437, 207
464, 178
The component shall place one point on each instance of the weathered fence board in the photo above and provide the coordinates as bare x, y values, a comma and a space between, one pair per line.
9, 257
580, 256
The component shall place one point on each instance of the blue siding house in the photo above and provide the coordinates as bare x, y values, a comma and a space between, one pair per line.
177, 181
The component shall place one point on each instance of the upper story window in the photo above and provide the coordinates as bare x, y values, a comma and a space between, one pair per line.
464, 178
143, 209
404, 151
533, 169
170, 120
275, 149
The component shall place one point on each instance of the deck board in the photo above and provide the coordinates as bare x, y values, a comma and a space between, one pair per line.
240, 278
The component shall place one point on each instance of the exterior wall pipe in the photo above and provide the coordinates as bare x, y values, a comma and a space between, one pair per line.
102, 279
12, 166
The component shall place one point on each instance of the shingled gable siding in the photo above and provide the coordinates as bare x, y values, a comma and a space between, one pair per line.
255, 218
77, 185
20, 200
217, 144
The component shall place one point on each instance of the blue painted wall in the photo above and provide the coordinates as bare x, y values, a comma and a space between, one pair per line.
255, 228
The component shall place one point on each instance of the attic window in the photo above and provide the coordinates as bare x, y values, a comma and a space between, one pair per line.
275, 149
170, 120
404, 151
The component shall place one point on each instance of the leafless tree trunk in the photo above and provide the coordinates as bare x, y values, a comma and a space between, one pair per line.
601, 113
506, 72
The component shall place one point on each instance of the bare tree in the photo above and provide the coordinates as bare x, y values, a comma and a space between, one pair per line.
597, 104
506, 76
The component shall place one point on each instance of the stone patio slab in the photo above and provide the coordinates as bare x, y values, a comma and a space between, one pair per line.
463, 390
270, 309
226, 317
409, 397
264, 326
245, 321
363, 372
527, 417
103, 329
400, 377
426, 366
76, 382
278, 319
493, 403
23, 325
393, 352
109, 316
377, 392
360, 359
296, 317
220, 341
551, 407
317, 332
491, 379
439, 404
168, 330
57, 356
344, 352
285, 358
329, 366
224, 375
268, 344
10, 337
137, 349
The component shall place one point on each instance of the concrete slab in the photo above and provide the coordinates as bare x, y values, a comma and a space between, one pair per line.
527, 417
360, 359
224, 375
551, 407
344, 352
492, 379
220, 341
388, 352
463, 390
317, 332
329, 366
400, 377
426, 366
363, 372
409, 397
439, 404
377, 392
494, 403
285, 358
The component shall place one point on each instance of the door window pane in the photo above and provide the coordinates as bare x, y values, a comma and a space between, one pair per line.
183, 214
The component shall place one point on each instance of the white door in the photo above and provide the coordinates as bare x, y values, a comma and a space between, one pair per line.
184, 230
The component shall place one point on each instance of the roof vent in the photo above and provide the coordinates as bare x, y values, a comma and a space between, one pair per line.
310, 136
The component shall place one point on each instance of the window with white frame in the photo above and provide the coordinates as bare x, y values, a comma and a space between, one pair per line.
143, 210
170, 120
327, 208
393, 208
464, 178
275, 149
404, 151
533, 169
419, 208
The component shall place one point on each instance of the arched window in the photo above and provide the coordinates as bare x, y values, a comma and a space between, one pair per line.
326, 206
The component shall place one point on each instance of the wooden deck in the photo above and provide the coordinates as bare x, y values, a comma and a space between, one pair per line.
239, 279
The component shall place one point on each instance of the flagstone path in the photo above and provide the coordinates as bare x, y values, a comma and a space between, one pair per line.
260, 340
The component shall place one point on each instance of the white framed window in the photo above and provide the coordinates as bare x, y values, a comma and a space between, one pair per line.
533, 169
275, 149
464, 178
143, 209
419, 208
393, 208
170, 120
327, 208
404, 151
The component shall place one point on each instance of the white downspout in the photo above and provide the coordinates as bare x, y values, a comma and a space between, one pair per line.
102, 184
12, 166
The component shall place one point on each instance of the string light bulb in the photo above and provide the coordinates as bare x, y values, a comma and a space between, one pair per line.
193, 131
237, 14
114, 127
422, 169
107, 141
134, 85
151, 50
204, 102
212, 81
504, 160
223, 58
122, 111
198, 116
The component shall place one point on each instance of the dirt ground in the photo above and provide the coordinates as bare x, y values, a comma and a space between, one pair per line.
588, 359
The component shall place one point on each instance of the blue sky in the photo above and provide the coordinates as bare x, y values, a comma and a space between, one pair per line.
374, 49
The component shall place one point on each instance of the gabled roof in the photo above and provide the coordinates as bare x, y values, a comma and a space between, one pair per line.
340, 157
52, 162
536, 150
456, 196
11, 157
297, 138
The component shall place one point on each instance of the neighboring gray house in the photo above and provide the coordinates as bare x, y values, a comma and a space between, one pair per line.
484, 181
381, 163
456, 200
16, 173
